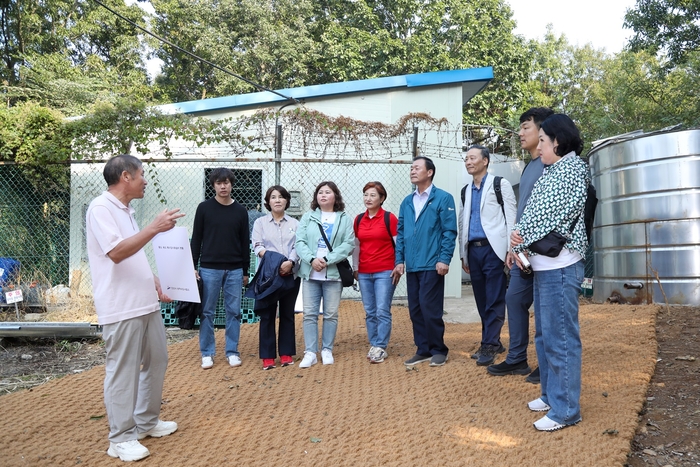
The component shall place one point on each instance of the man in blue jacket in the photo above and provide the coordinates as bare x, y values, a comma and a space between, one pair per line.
424, 248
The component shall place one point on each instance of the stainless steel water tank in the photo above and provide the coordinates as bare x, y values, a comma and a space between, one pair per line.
646, 234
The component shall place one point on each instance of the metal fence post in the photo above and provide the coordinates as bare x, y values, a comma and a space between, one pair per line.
415, 141
278, 153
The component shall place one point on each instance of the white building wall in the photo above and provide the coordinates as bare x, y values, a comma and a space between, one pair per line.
184, 188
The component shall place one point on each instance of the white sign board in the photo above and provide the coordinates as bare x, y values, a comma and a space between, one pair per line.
13, 296
175, 266
587, 283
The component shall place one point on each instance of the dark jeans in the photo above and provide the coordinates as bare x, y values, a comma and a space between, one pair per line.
426, 293
267, 314
489, 286
518, 301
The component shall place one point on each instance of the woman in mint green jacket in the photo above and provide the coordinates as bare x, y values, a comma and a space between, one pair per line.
318, 270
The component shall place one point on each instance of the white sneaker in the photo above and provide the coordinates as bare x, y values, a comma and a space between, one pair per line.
547, 424
234, 360
379, 355
538, 405
308, 360
161, 429
128, 450
207, 362
327, 357
372, 349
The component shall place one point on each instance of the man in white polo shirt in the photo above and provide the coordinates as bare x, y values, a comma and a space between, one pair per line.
126, 294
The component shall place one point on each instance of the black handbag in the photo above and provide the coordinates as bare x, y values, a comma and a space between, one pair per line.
551, 244
347, 275
188, 312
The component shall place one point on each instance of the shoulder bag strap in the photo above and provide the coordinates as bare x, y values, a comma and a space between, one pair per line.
325, 239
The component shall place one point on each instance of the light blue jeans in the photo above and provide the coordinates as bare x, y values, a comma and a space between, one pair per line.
313, 291
377, 292
558, 340
213, 280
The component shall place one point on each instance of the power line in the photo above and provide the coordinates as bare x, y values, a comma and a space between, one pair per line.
197, 57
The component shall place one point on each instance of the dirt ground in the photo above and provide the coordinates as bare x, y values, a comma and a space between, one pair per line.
667, 434
26, 362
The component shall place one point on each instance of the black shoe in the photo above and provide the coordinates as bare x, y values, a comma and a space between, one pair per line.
416, 359
504, 368
487, 356
534, 377
438, 360
476, 354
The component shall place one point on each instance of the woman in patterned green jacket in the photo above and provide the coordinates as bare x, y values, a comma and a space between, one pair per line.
556, 204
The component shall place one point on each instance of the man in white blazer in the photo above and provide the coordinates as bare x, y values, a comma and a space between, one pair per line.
484, 235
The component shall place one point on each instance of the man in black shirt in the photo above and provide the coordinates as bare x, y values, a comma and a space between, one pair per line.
221, 246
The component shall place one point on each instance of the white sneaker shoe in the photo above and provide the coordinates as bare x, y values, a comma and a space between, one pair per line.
161, 429
128, 450
207, 362
547, 424
538, 405
327, 357
309, 360
234, 360
371, 352
379, 355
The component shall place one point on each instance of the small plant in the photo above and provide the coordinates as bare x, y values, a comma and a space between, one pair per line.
67, 346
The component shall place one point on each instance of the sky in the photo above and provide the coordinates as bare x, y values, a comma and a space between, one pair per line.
598, 22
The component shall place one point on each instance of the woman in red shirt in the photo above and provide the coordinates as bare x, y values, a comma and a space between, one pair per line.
375, 237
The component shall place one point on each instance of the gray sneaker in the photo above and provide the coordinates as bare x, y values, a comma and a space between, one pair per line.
416, 359
438, 360
477, 354
378, 356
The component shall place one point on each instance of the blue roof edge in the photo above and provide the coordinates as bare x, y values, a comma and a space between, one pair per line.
436, 78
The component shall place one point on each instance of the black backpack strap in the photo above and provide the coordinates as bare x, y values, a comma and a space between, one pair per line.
357, 222
387, 222
499, 195
496, 188
589, 209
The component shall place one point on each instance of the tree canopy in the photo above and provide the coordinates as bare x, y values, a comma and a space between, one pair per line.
68, 58
669, 26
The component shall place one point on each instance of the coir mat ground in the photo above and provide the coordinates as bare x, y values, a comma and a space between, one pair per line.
353, 413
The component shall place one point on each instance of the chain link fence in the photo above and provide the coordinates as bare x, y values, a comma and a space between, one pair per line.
42, 210
46, 233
